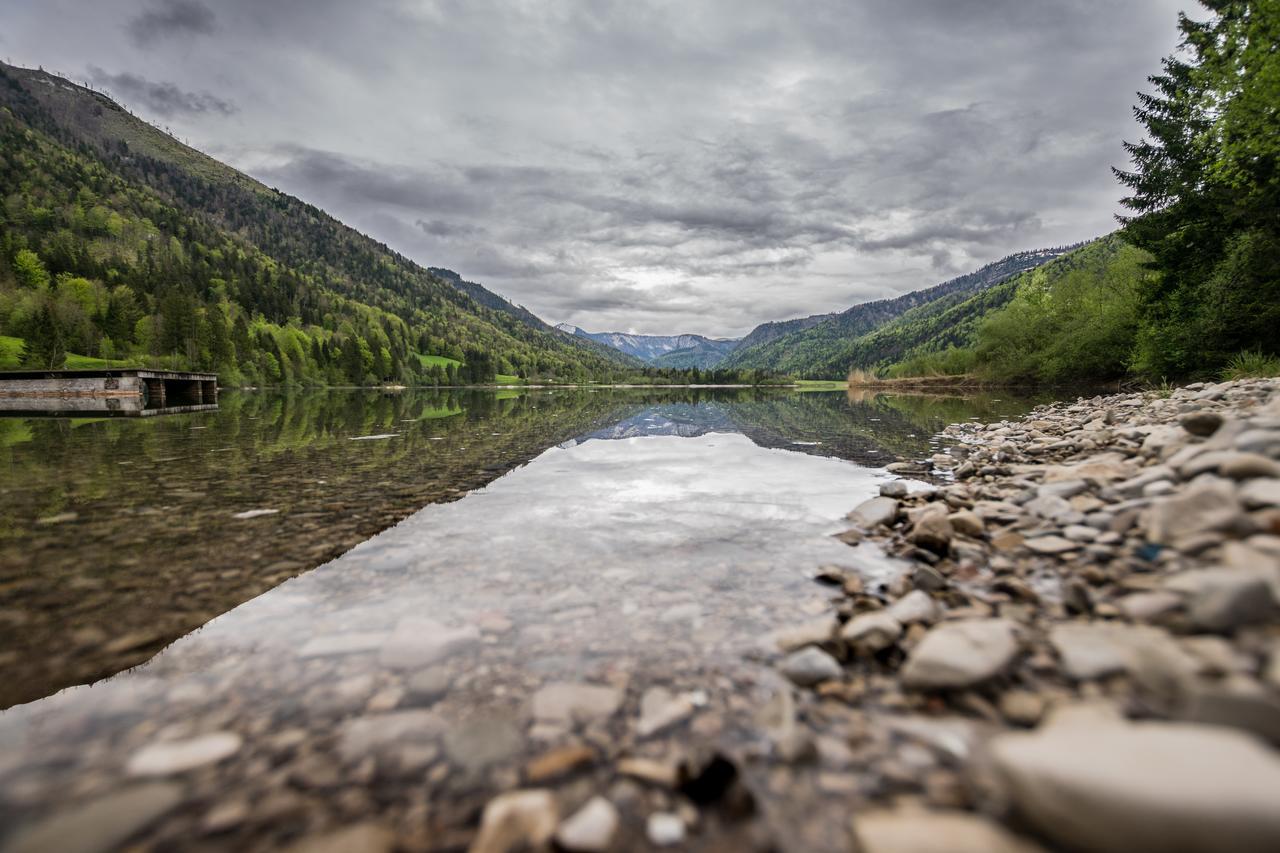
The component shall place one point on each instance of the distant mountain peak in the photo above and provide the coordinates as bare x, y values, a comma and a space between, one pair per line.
681, 351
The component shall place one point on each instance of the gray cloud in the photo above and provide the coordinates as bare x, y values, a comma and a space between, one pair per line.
166, 18
634, 164
163, 99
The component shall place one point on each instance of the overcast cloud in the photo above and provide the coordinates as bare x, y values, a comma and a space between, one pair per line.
657, 167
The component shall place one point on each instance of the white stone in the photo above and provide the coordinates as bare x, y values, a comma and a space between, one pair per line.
170, 757
590, 829
664, 829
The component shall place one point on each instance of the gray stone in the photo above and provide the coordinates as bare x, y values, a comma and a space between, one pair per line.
813, 633
99, 825
928, 579
1149, 606
1201, 423
381, 735
1244, 466
418, 642
1118, 787
968, 523
869, 633
1055, 509
1090, 650
932, 530
1202, 507
482, 740
428, 686
810, 666
909, 830
1080, 533
1264, 441
1062, 489
874, 512
1260, 492
1238, 703
960, 654
915, 606
167, 758
894, 489
333, 645
1223, 599
1051, 544
568, 703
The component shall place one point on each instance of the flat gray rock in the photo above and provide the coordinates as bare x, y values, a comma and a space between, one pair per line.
920, 831
100, 825
1117, 787
564, 702
875, 511
810, 666
167, 758
960, 654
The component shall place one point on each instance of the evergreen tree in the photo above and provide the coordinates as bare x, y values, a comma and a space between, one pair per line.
45, 347
1205, 192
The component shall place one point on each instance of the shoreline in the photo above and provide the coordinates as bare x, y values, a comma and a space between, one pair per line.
1088, 605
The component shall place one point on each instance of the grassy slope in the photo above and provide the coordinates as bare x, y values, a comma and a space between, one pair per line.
10, 352
11, 357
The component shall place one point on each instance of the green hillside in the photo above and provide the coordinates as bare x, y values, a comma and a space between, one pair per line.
1073, 319
118, 242
832, 346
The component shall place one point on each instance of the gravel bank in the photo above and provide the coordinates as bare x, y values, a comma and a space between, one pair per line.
1083, 648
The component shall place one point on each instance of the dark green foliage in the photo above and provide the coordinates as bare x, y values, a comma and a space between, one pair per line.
46, 346
853, 339
1206, 194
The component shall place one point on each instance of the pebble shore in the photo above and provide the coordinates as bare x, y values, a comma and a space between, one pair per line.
1092, 607
1061, 633
1080, 651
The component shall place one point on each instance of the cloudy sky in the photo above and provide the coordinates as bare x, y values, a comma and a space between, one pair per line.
643, 165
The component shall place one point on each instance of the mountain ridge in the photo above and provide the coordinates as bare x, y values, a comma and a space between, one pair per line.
229, 274
677, 351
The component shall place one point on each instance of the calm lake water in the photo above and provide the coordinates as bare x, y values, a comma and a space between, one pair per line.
612, 537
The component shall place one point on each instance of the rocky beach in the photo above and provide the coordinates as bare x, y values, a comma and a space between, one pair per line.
1056, 633
1080, 650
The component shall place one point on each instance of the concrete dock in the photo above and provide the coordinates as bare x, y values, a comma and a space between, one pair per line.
111, 390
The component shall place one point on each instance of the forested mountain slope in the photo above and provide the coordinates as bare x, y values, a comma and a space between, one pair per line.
1071, 319
120, 242
830, 348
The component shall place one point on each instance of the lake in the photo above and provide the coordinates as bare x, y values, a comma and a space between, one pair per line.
570, 568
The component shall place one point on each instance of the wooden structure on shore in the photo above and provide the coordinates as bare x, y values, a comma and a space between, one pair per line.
123, 391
